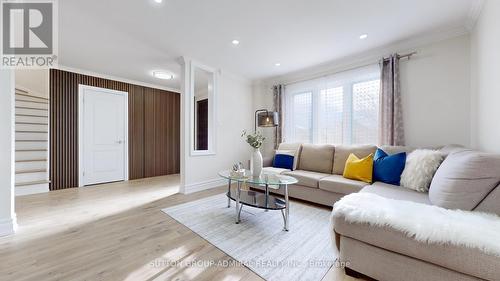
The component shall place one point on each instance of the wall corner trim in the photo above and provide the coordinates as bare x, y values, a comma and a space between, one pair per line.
8, 226
474, 14
116, 78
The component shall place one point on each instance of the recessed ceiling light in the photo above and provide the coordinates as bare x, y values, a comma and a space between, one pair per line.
158, 1
235, 42
363, 36
163, 75
277, 64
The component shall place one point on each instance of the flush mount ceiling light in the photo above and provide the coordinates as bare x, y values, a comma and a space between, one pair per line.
363, 36
163, 75
277, 64
158, 1
235, 42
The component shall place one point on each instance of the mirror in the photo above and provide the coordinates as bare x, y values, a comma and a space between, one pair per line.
202, 97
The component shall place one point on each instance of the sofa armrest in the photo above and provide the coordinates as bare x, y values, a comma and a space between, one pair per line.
267, 161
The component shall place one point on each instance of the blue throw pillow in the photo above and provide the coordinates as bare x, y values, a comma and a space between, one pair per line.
388, 168
283, 161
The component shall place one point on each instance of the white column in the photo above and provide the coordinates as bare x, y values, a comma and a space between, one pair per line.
184, 147
7, 177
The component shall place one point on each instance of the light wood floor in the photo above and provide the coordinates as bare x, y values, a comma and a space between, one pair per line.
112, 232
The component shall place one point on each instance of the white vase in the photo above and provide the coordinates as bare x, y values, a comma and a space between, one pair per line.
256, 163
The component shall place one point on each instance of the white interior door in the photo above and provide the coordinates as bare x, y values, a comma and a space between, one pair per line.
104, 120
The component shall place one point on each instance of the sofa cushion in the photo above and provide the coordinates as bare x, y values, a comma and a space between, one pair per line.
490, 204
307, 178
388, 168
339, 184
464, 179
342, 153
396, 192
316, 158
359, 169
274, 171
465, 260
421, 165
284, 159
394, 149
295, 147
450, 148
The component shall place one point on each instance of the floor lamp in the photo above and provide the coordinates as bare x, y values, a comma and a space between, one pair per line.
265, 118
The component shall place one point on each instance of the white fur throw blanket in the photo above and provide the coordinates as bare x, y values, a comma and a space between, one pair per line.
423, 223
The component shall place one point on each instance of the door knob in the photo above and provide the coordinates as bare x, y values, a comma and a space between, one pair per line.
119, 142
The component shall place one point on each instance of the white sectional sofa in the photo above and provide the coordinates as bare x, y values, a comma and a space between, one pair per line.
466, 180
319, 170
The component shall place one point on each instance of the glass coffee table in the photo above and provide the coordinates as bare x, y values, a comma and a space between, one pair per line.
258, 199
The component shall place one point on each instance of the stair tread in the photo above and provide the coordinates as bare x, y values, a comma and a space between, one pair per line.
32, 182
23, 93
31, 108
39, 102
31, 150
32, 171
36, 132
31, 140
31, 115
30, 123
31, 160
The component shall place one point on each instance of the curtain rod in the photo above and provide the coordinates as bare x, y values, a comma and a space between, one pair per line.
404, 56
408, 56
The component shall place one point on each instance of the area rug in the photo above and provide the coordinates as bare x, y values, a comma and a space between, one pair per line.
305, 252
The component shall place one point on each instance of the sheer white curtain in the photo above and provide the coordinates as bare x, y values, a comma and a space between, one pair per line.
338, 109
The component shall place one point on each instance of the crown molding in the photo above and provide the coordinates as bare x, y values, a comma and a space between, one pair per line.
119, 79
474, 14
364, 58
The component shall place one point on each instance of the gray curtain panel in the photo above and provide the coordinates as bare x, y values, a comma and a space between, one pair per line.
391, 130
278, 98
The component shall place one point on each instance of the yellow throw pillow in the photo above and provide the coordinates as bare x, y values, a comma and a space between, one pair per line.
359, 169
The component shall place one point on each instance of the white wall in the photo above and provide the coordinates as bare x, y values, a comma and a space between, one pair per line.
435, 89
436, 94
36, 81
234, 114
7, 214
485, 52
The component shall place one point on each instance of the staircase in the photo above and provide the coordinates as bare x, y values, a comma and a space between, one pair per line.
32, 143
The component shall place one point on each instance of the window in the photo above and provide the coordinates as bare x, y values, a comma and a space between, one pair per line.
331, 111
302, 118
365, 100
338, 109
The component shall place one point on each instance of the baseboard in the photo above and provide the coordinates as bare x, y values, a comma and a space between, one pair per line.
31, 189
8, 226
204, 185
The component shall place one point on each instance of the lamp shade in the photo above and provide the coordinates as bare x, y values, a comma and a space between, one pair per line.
268, 119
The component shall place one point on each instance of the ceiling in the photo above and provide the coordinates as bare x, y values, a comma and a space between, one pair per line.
130, 39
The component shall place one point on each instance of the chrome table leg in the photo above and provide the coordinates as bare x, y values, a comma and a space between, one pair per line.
284, 218
287, 209
238, 192
229, 194
267, 197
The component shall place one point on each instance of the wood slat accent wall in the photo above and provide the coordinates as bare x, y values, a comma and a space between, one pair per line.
154, 128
